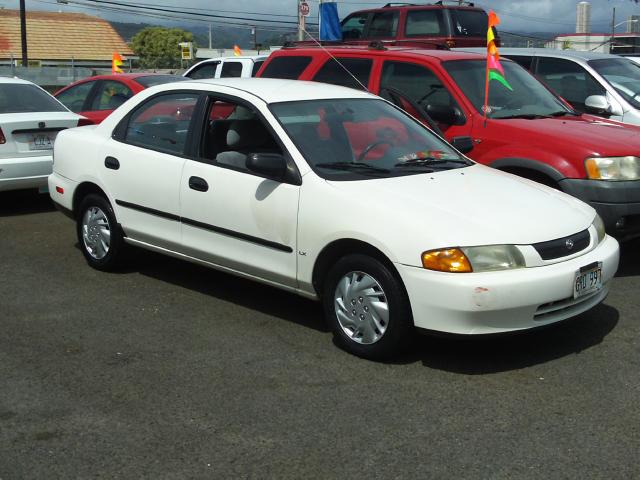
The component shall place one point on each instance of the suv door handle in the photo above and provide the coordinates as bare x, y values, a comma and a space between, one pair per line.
198, 184
112, 163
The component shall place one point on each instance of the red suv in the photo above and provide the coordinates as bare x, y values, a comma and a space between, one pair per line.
529, 131
462, 25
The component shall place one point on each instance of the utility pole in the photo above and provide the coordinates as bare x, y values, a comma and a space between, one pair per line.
301, 21
209, 36
254, 32
23, 33
613, 29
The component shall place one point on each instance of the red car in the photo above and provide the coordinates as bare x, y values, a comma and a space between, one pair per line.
96, 97
529, 131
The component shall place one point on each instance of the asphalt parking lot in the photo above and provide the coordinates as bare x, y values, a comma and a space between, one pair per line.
170, 370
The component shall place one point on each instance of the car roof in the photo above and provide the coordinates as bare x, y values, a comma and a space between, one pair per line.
15, 80
413, 6
274, 90
235, 57
547, 52
406, 51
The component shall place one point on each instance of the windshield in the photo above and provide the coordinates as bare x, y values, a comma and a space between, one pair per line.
529, 97
623, 75
355, 139
153, 80
21, 98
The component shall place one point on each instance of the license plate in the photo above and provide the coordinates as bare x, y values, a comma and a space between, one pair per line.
587, 280
41, 142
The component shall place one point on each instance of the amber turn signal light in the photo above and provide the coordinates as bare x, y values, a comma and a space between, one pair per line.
448, 260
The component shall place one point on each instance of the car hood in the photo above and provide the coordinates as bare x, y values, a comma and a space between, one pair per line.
585, 135
469, 206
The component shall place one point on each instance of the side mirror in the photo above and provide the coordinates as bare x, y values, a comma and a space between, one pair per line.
598, 104
445, 114
272, 165
462, 144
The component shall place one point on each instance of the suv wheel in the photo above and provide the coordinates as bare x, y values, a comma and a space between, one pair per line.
99, 236
367, 307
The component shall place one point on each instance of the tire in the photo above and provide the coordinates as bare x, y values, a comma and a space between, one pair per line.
99, 235
357, 291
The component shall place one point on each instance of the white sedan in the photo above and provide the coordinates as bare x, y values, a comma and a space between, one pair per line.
30, 119
336, 195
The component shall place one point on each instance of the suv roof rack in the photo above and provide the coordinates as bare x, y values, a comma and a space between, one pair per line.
455, 2
401, 4
372, 45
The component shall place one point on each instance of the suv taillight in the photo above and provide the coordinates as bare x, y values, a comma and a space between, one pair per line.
84, 121
2, 139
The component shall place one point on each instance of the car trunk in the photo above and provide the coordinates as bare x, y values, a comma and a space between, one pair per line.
33, 133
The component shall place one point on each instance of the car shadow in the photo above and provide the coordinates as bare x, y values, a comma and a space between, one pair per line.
453, 353
24, 202
499, 353
229, 288
629, 259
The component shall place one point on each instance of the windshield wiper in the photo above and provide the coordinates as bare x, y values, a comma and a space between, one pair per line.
526, 116
431, 162
353, 166
564, 113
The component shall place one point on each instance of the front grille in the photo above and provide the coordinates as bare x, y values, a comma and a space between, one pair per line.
563, 247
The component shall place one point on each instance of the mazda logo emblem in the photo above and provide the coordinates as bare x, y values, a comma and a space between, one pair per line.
569, 244
41, 125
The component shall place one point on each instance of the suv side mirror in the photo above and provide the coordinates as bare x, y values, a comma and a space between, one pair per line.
462, 144
598, 104
445, 114
272, 165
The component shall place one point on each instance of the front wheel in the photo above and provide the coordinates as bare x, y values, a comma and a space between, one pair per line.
99, 235
367, 307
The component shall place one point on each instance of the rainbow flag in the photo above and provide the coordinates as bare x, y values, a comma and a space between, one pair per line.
116, 63
494, 68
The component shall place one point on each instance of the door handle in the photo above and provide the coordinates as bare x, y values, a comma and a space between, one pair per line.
199, 184
112, 163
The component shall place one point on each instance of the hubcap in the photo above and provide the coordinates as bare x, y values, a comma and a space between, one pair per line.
96, 233
361, 308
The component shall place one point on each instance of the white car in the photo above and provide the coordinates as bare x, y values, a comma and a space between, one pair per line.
243, 66
30, 119
336, 195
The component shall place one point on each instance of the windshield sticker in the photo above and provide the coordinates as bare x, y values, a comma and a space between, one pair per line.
428, 155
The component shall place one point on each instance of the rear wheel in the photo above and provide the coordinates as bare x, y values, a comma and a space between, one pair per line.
367, 307
98, 233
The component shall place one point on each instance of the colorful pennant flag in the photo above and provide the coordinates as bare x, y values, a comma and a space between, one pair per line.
236, 51
494, 68
116, 63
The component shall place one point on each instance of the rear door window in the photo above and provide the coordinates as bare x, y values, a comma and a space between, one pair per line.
383, 25
425, 23
75, 97
208, 70
231, 70
469, 23
286, 67
569, 80
353, 26
343, 73
525, 61
110, 95
162, 123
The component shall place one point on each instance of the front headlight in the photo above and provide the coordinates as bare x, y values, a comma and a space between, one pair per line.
599, 226
473, 259
613, 168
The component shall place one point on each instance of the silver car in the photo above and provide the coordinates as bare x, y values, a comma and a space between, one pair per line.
596, 83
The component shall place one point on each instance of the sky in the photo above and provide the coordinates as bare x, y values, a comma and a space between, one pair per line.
516, 15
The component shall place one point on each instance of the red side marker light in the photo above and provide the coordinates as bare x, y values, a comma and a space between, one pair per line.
60, 190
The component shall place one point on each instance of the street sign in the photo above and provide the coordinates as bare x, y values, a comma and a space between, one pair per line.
186, 50
304, 9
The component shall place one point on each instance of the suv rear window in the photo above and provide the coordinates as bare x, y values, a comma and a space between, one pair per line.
425, 22
338, 73
469, 23
21, 98
286, 67
231, 70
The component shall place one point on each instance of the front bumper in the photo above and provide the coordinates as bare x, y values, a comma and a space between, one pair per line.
25, 172
618, 203
503, 301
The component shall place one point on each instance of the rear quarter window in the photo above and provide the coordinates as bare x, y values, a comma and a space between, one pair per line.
469, 23
286, 67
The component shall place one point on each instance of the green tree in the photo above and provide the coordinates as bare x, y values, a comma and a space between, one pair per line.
158, 47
